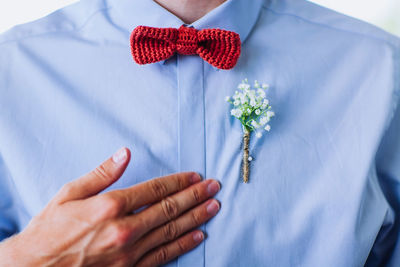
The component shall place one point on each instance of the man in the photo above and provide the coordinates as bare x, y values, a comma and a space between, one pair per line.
324, 182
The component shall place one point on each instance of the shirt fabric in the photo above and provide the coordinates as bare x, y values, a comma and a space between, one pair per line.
324, 182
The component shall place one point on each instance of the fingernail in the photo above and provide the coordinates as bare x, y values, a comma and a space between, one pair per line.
213, 207
198, 237
195, 178
213, 188
120, 156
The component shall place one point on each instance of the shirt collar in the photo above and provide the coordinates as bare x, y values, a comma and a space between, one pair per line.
239, 16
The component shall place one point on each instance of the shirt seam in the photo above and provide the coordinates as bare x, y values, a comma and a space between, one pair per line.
389, 42
205, 149
396, 90
76, 29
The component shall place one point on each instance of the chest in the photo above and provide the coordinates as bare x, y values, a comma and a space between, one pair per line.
310, 177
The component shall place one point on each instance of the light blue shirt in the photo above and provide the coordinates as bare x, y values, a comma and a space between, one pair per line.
325, 181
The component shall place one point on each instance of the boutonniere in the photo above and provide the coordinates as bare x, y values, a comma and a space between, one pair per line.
252, 109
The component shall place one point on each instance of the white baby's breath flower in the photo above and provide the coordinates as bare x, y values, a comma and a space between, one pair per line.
251, 106
261, 93
244, 87
270, 113
265, 104
236, 112
267, 127
241, 86
258, 134
255, 124
264, 120
243, 99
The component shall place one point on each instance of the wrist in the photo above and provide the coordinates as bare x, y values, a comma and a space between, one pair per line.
11, 253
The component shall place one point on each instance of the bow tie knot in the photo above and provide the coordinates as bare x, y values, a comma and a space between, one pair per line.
187, 41
220, 48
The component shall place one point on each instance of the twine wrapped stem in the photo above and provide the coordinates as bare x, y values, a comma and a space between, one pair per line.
245, 165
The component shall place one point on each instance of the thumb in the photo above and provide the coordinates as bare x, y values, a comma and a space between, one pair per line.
97, 180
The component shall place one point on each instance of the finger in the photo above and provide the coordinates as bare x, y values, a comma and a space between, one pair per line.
154, 190
170, 207
172, 250
172, 230
97, 180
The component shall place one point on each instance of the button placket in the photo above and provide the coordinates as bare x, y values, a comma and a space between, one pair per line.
191, 132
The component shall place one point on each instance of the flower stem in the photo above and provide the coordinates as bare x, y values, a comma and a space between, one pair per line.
245, 166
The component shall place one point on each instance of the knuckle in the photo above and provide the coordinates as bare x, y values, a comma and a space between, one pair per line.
119, 234
170, 231
196, 218
158, 189
196, 195
67, 189
110, 205
102, 172
161, 256
183, 246
170, 208
180, 182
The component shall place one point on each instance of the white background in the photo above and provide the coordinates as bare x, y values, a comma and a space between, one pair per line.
384, 13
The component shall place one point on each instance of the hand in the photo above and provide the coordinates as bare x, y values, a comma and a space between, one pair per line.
80, 227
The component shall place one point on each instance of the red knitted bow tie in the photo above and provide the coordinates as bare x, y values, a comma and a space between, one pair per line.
220, 48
